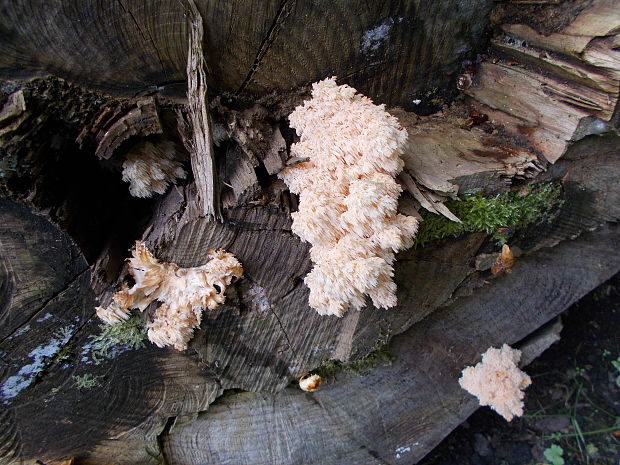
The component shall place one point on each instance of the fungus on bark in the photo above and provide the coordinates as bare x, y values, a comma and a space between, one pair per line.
497, 381
183, 293
348, 197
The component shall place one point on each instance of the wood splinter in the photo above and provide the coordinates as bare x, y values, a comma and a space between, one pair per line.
200, 144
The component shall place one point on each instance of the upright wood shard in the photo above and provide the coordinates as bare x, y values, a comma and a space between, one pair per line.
14, 106
201, 144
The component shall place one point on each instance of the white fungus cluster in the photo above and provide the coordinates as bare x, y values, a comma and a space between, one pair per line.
183, 293
348, 197
150, 168
497, 381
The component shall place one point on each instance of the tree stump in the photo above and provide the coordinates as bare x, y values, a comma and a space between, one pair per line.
499, 101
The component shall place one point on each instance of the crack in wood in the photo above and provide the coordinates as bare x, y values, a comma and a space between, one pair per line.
7, 284
288, 340
160, 439
371, 67
249, 226
283, 12
297, 282
146, 36
46, 303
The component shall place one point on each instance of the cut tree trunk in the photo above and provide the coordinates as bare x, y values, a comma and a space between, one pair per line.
536, 106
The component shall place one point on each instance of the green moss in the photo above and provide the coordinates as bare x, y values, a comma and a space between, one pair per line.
380, 354
130, 333
86, 381
500, 216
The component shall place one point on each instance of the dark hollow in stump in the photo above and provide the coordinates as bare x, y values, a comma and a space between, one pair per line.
535, 106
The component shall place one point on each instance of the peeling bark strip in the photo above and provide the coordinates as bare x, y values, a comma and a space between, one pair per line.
201, 144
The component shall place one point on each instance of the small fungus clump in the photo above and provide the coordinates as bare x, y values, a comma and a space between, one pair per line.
309, 383
497, 381
183, 293
348, 197
150, 168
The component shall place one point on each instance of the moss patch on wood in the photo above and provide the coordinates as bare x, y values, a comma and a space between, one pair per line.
499, 216
379, 355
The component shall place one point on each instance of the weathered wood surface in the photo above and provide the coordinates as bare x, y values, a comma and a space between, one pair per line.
394, 414
554, 89
141, 121
396, 51
275, 263
291, 339
266, 335
46, 340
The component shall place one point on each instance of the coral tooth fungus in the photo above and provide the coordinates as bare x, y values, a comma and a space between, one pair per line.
348, 197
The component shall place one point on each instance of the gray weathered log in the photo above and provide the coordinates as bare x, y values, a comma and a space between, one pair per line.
395, 51
395, 413
155, 404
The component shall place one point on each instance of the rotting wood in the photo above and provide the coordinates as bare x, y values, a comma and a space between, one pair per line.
258, 137
441, 151
201, 142
426, 277
229, 342
141, 121
543, 110
238, 174
266, 335
14, 106
600, 19
445, 157
254, 142
535, 106
553, 90
264, 349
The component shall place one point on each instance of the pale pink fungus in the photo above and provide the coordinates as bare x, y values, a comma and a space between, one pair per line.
497, 381
183, 293
348, 197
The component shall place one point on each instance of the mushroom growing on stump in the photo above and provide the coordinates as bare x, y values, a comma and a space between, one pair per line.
348, 197
183, 293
